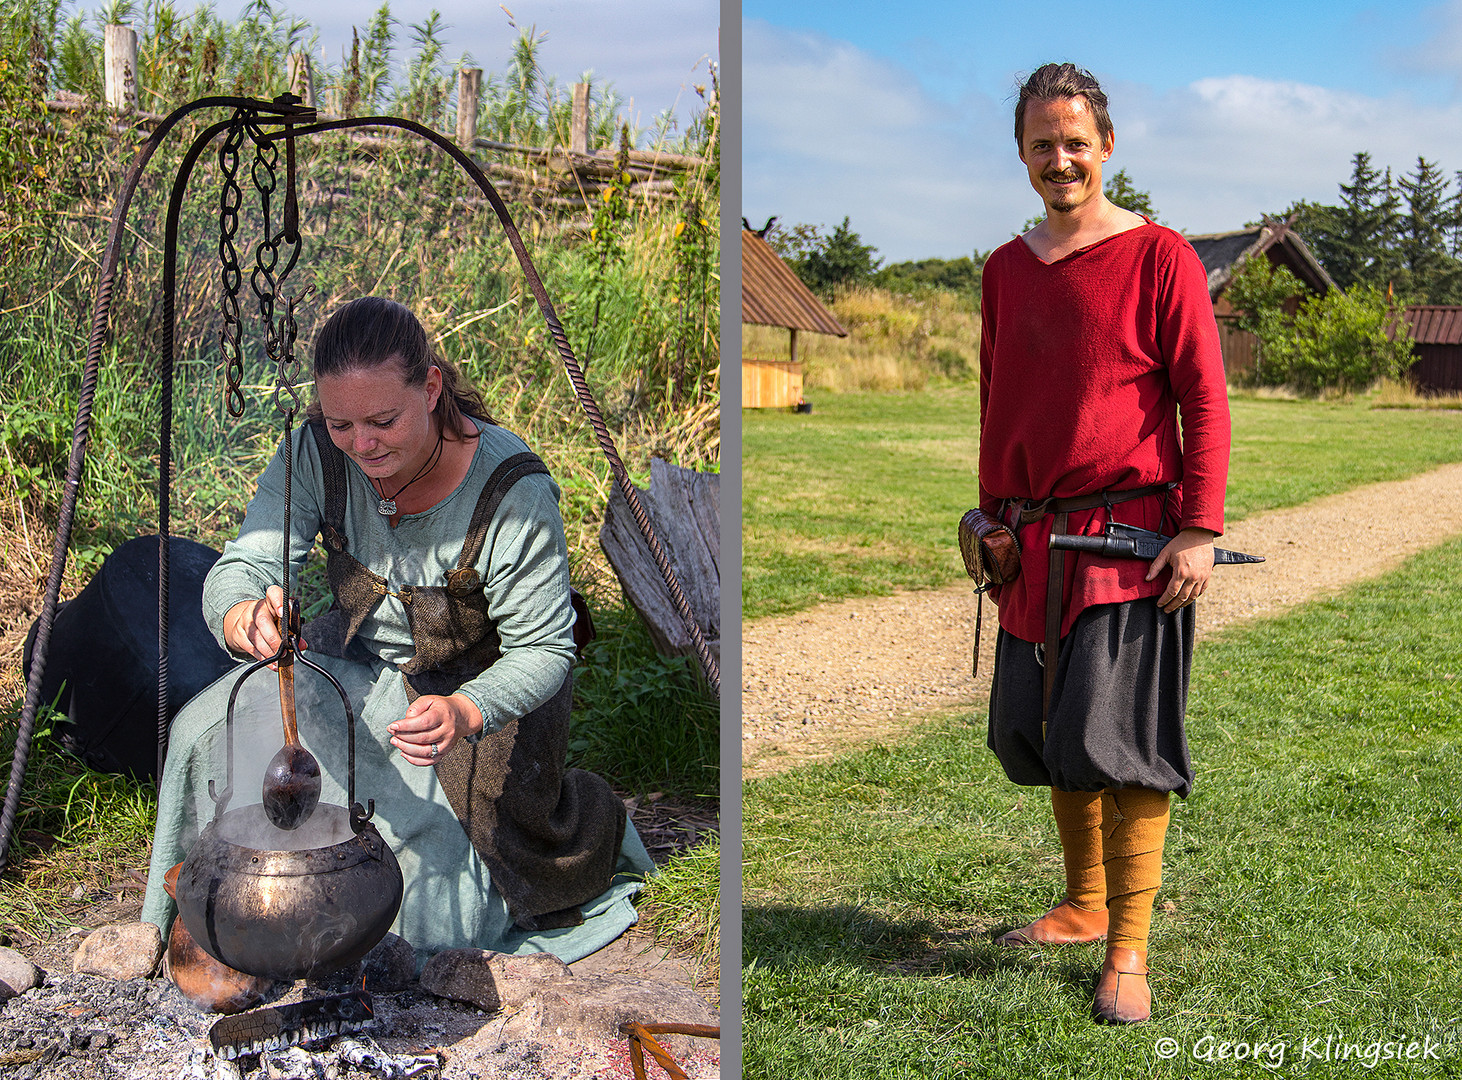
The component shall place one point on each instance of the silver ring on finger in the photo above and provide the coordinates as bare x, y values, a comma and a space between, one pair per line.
435, 750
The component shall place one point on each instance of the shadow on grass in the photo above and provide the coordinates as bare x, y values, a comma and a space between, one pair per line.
793, 938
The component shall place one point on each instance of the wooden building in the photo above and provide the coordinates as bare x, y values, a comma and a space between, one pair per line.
772, 295
1224, 255
1436, 339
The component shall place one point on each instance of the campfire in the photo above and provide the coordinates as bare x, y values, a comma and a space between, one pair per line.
548, 1022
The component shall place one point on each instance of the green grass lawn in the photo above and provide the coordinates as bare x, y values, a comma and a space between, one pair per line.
1313, 880
861, 497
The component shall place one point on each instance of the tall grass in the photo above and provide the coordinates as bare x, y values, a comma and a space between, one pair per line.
895, 342
379, 216
388, 216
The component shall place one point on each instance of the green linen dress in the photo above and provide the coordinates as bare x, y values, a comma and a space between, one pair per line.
449, 899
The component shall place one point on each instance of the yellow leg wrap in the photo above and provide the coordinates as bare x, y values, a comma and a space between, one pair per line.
1079, 822
1134, 822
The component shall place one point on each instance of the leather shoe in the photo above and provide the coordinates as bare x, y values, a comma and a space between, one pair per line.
1064, 924
1122, 993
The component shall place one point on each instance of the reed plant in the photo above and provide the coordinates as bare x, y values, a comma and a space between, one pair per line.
380, 215
383, 216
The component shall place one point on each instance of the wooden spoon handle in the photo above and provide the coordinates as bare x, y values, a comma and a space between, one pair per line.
286, 699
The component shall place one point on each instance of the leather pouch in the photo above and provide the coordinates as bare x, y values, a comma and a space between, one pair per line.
990, 548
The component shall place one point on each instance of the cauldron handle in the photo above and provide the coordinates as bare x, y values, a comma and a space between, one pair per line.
358, 817
220, 802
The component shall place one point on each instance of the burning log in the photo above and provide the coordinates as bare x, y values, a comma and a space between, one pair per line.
280, 1026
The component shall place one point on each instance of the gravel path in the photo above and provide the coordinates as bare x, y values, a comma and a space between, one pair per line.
860, 671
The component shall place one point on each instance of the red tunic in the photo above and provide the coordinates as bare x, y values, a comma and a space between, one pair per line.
1084, 364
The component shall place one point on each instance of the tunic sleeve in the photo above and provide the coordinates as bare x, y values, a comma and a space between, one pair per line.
252, 562
987, 503
1195, 369
525, 573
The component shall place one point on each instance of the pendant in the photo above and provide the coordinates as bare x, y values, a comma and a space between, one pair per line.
386, 507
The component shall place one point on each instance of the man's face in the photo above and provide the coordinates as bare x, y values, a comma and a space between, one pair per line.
1063, 153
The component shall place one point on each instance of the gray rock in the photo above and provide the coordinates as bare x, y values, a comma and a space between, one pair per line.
120, 951
490, 980
539, 997
595, 1005
387, 968
390, 966
17, 974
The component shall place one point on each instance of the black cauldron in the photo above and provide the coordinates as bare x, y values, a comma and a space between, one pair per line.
289, 904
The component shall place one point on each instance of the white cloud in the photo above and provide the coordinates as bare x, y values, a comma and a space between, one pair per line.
1226, 150
1441, 51
833, 130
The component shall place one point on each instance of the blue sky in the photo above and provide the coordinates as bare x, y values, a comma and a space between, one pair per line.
900, 116
653, 51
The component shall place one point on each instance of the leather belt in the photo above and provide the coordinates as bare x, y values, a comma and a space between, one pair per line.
1029, 510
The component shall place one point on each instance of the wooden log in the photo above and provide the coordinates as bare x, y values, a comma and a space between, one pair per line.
684, 507
302, 78
469, 87
120, 66
579, 121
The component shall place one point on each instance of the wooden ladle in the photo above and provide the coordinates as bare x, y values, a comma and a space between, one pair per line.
292, 779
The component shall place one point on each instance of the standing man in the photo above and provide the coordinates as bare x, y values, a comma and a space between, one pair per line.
1097, 332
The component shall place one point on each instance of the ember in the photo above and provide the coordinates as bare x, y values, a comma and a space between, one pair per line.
275, 1028
88, 1027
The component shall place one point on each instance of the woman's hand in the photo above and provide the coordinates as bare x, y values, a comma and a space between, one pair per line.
1190, 556
432, 725
251, 627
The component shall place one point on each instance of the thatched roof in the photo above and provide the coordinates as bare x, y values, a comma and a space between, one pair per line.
771, 295
1224, 254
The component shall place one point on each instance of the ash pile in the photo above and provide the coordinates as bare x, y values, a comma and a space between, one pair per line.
469, 1014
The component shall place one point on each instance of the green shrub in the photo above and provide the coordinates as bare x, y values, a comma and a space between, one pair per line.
1342, 340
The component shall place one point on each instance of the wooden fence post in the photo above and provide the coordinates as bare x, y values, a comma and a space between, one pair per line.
579, 120
301, 78
469, 85
120, 66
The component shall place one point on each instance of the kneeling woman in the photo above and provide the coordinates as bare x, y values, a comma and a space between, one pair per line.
452, 632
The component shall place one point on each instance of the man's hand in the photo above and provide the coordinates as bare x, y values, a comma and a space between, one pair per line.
1190, 557
434, 723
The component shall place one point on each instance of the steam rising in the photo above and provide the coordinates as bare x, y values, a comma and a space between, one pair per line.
249, 827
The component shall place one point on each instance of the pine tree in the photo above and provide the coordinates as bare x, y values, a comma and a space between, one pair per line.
1453, 224
1351, 242
1388, 269
1422, 244
1121, 190
843, 260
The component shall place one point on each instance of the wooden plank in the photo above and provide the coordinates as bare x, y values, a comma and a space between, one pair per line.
684, 508
579, 121
469, 87
302, 78
120, 66
770, 384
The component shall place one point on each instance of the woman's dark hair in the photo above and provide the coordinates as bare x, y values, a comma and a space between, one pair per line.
372, 331
1053, 82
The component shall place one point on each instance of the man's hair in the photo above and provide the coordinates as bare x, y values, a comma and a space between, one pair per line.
1052, 82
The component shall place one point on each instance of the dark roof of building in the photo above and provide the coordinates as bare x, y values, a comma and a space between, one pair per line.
1435, 324
771, 295
1223, 254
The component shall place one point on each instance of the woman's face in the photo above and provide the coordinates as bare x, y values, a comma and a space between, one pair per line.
381, 423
